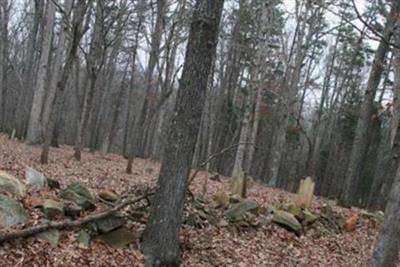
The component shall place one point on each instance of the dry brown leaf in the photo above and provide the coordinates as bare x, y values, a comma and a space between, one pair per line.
351, 223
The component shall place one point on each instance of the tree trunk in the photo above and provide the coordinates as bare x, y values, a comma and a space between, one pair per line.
161, 236
115, 111
24, 100
259, 76
35, 128
3, 58
167, 86
360, 143
57, 66
94, 63
4, 17
145, 132
238, 174
130, 121
289, 87
77, 33
386, 253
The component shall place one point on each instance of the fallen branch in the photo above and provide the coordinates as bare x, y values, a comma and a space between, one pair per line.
210, 158
67, 224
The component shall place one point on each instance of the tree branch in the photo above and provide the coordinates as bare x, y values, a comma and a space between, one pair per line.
372, 29
213, 156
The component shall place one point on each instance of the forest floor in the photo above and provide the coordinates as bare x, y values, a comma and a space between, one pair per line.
208, 246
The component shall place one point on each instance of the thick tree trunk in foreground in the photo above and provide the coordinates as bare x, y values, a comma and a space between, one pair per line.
386, 253
161, 237
360, 144
387, 248
377, 194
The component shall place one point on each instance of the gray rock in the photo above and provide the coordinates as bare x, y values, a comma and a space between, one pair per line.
52, 209
34, 178
71, 209
119, 238
288, 221
108, 195
235, 199
10, 184
239, 210
79, 194
83, 238
11, 212
52, 236
309, 217
109, 224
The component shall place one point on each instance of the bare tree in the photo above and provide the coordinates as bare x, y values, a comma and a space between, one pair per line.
3, 56
387, 248
76, 31
161, 237
95, 60
360, 144
34, 128
29, 72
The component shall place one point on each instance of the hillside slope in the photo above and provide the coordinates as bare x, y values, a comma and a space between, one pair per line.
207, 246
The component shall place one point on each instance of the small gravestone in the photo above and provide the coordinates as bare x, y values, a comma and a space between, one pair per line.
305, 193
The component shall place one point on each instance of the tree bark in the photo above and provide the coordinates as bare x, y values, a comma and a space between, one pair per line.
3, 58
238, 174
94, 63
24, 100
77, 32
360, 143
387, 248
172, 43
161, 237
57, 65
130, 121
146, 115
35, 128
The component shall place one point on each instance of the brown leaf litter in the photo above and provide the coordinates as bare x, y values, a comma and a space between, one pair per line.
206, 246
